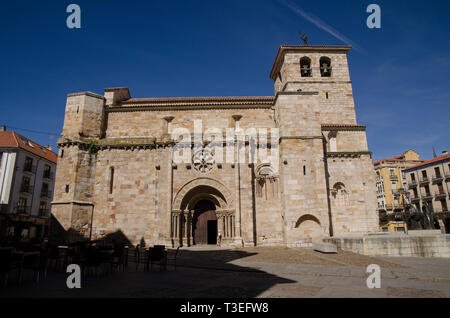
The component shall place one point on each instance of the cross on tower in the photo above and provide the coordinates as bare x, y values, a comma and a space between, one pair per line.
304, 38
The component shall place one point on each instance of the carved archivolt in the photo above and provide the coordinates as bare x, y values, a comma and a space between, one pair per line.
198, 188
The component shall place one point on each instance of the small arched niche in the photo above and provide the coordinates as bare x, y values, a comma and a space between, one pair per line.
339, 194
266, 182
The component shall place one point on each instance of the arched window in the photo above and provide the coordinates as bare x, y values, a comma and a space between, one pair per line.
340, 194
305, 67
325, 66
266, 182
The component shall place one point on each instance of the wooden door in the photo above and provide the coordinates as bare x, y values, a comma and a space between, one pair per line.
201, 226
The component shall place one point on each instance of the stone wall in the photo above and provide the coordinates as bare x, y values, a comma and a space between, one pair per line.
129, 203
151, 123
395, 245
353, 207
84, 115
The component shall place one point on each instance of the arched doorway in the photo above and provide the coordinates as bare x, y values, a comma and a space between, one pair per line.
204, 223
202, 211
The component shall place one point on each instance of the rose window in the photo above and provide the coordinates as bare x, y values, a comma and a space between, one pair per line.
203, 161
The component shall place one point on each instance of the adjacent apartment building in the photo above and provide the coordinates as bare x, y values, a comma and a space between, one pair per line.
391, 193
428, 183
27, 172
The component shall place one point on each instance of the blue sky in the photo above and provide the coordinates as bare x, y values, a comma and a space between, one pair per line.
400, 72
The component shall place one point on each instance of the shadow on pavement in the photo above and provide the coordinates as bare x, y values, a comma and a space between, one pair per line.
199, 273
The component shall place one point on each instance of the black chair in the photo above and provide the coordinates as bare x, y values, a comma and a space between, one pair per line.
172, 257
118, 257
55, 257
156, 255
93, 259
140, 255
9, 262
43, 262
127, 253
32, 261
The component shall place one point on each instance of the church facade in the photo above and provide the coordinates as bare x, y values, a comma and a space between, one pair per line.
119, 173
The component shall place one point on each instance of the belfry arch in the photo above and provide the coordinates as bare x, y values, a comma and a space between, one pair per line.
201, 209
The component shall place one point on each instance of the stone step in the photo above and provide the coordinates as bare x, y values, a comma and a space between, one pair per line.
325, 248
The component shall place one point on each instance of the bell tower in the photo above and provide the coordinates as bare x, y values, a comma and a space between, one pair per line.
321, 145
322, 69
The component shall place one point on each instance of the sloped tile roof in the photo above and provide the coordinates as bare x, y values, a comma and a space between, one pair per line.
427, 162
12, 139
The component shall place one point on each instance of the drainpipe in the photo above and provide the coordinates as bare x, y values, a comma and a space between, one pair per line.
34, 185
4, 173
13, 181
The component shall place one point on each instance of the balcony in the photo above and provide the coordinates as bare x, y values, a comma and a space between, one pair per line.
44, 212
393, 178
424, 181
29, 169
442, 213
440, 194
392, 207
46, 194
23, 209
437, 178
447, 176
397, 191
26, 189
412, 184
48, 175
427, 196
415, 198
398, 215
383, 216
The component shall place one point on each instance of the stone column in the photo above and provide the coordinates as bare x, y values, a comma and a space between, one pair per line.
232, 222
174, 225
219, 216
190, 228
184, 227
238, 236
226, 225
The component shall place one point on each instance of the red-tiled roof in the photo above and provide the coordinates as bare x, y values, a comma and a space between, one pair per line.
211, 99
396, 159
388, 159
427, 162
12, 139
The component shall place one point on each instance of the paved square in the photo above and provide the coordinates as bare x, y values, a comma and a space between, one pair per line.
254, 272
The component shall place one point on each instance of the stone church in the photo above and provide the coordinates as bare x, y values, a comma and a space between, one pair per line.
117, 177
